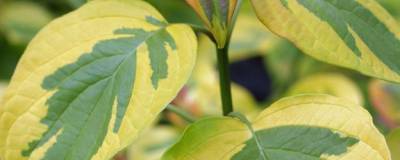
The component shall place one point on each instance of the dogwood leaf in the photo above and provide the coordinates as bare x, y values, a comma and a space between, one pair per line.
306, 127
91, 80
356, 34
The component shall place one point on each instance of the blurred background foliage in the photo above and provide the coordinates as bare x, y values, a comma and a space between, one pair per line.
263, 66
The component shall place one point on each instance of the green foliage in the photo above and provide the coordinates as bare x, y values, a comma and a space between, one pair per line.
86, 79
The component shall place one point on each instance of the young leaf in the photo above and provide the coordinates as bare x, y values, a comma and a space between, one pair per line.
333, 84
217, 15
307, 127
91, 80
357, 34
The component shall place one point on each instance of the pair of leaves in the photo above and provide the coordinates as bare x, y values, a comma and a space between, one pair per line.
306, 127
90, 81
77, 77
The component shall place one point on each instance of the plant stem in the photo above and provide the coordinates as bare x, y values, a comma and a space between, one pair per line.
181, 113
223, 66
224, 80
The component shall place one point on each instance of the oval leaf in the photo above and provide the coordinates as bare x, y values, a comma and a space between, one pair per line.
356, 34
307, 127
91, 80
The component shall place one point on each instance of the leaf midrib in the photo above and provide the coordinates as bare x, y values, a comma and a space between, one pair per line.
112, 76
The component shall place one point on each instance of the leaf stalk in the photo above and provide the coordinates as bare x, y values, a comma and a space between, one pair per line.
181, 113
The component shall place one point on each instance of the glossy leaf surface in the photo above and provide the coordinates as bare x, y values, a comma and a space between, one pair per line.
307, 127
356, 34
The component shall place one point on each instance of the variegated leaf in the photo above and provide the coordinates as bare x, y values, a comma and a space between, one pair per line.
307, 127
356, 34
91, 80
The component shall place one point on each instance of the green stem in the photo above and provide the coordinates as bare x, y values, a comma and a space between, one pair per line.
181, 113
224, 80
223, 67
